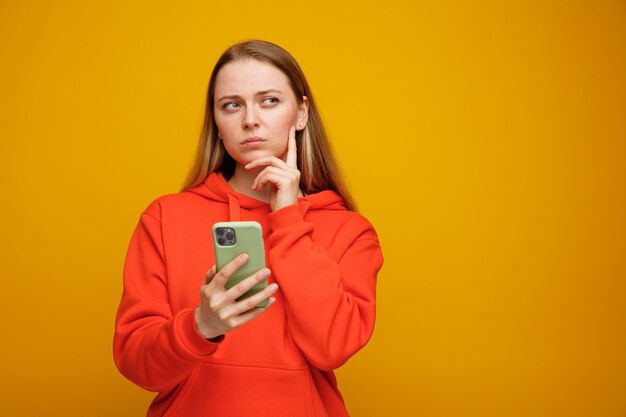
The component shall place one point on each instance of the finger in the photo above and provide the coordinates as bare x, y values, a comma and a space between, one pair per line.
279, 180
224, 274
292, 149
210, 274
261, 174
267, 160
274, 175
252, 313
251, 302
246, 284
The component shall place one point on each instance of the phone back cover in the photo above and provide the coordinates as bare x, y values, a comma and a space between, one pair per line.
249, 239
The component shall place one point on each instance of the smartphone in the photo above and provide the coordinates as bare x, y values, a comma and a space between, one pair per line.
231, 239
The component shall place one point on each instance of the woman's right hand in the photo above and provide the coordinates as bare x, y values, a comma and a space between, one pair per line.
219, 312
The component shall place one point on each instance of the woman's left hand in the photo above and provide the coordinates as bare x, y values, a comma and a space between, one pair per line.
282, 176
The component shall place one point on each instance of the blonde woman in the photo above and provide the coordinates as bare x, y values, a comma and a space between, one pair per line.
263, 156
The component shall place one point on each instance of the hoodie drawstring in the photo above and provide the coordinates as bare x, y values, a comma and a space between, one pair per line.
234, 211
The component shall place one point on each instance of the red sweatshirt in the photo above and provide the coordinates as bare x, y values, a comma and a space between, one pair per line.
324, 259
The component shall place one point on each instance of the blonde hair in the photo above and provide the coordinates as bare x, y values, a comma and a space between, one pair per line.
319, 170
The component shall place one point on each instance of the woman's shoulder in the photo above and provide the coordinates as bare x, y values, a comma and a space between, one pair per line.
359, 224
328, 207
182, 202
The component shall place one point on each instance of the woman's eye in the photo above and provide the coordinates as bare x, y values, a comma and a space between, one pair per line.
230, 105
270, 100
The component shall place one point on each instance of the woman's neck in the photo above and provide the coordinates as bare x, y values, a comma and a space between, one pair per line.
242, 181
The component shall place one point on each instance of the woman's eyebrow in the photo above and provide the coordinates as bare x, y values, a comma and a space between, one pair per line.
258, 93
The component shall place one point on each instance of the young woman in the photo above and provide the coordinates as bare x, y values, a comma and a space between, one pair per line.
263, 156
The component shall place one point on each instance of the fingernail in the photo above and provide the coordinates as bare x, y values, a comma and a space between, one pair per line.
265, 273
271, 301
243, 257
273, 287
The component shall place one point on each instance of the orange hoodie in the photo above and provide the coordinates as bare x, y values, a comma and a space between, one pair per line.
324, 259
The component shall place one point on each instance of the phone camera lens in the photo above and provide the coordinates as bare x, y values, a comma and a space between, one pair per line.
230, 235
220, 232
221, 240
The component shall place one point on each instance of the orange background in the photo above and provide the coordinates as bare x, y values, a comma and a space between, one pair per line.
485, 140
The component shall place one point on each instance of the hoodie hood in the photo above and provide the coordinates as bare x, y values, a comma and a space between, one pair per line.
216, 188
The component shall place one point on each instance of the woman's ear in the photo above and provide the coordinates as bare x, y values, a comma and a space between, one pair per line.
303, 114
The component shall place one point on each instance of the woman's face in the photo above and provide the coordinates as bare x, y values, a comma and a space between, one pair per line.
254, 109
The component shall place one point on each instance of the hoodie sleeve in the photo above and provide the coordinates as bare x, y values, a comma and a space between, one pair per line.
330, 302
152, 347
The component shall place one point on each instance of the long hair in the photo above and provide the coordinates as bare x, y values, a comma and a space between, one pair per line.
318, 166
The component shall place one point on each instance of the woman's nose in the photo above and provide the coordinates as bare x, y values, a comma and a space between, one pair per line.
250, 120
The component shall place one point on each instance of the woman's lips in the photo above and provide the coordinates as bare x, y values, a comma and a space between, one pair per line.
252, 142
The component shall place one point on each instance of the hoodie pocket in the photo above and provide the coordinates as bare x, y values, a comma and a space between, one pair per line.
237, 390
